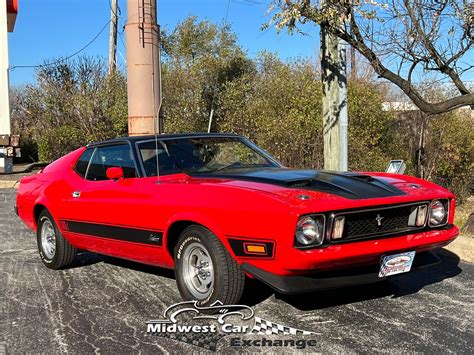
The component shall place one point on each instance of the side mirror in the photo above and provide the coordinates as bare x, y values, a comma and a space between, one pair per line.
114, 173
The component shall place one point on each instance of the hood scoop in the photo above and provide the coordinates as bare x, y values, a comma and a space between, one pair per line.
346, 184
299, 183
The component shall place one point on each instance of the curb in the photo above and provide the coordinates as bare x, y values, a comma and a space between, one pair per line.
9, 184
463, 246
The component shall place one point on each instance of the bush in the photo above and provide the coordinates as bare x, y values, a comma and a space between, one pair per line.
451, 149
279, 108
58, 141
71, 104
372, 139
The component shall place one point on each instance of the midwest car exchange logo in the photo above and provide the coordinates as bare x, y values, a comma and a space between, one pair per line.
206, 326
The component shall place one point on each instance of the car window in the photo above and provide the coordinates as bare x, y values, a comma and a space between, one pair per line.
148, 155
83, 162
214, 154
196, 155
111, 156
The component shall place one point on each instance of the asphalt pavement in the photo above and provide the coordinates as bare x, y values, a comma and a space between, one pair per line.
102, 305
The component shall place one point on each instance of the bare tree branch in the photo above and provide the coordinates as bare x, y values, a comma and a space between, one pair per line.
422, 36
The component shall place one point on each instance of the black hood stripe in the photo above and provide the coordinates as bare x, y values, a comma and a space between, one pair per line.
345, 184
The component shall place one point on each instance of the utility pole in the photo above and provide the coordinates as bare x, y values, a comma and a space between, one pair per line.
335, 119
113, 36
143, 68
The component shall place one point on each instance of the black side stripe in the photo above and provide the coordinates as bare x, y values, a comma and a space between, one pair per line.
127, 234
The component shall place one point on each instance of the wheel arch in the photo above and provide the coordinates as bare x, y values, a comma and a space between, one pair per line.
37, 209
42, 203
178, 224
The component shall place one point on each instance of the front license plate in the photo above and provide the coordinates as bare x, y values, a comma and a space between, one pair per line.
396, 264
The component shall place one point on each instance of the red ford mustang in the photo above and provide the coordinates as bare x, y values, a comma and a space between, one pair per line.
215, 207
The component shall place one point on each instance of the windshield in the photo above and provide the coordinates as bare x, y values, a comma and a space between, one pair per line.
200, 155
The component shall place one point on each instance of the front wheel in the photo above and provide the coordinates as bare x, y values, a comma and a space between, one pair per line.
55, 251
205, 271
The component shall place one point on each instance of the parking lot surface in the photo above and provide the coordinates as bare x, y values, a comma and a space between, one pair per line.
102, 305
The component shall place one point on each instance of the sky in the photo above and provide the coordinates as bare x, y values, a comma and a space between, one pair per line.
48, 29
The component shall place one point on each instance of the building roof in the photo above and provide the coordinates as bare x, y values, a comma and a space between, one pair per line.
12, 11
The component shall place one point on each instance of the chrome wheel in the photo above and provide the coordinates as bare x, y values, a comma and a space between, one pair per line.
198, 270
48, 239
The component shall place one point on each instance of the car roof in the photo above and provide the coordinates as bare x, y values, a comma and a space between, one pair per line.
134, 139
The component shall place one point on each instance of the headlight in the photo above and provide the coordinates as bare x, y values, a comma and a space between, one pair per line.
438, 213
310, 231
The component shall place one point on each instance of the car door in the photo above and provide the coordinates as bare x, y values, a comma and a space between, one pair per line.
104, 215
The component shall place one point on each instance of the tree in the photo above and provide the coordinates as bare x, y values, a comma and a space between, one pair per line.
72, 103
199, 58
398, 38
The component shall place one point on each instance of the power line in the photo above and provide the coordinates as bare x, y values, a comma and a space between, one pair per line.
121, 38
252, 3
67, 57
227, 13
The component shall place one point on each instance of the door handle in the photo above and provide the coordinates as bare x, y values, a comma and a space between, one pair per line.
76, 194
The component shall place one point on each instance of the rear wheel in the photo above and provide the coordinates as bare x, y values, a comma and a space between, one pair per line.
54, 250
205, 271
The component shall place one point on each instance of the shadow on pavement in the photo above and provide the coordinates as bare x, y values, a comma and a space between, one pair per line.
396, 286
256, 292
85, 258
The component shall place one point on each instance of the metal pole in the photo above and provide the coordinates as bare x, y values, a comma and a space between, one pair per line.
210, 120
143, 67
113, 36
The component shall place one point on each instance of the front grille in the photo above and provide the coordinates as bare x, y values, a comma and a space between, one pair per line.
377, 222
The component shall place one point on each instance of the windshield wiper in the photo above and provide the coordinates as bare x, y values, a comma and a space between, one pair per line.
238, 165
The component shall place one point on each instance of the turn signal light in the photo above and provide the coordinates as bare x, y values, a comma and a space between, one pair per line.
421, 216
338, 228
255, 248
418, 216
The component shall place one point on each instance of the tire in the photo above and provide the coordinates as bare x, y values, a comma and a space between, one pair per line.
55, 251
197, 244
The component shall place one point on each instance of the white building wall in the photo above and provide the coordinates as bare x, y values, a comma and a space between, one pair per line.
4, 87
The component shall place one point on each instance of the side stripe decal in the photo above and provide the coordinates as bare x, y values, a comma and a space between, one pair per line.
127, 234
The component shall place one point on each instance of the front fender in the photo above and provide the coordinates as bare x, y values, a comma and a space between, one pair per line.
197, 218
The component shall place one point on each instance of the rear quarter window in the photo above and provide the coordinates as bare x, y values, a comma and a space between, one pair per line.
83, 162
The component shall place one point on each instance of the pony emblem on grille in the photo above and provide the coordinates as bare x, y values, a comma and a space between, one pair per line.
379, 219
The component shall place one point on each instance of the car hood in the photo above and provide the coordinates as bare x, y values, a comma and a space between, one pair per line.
349, 185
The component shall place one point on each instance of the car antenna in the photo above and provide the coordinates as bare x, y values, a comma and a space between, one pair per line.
156, 125
156, 148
